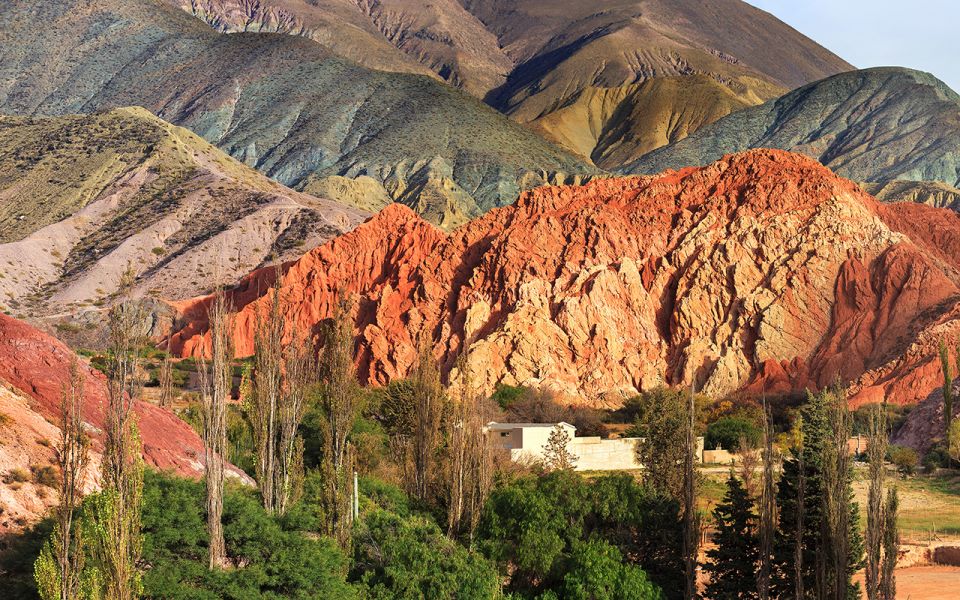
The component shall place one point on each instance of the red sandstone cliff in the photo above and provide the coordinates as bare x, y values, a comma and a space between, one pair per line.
763, 270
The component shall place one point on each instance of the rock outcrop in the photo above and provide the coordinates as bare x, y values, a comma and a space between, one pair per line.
34, 366
763, 270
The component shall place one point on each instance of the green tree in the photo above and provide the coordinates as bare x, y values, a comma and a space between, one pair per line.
534, 526
274, 558
340, 402
661, 427
410, 558
801, 497
733, 559
596, 570
727, 432
947, 389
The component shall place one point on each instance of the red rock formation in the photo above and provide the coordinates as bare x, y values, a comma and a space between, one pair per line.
763, 270
38, 366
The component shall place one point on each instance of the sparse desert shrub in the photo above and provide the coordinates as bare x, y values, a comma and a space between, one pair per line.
158, 251
16, 476
67, 327
44, 475
5, 419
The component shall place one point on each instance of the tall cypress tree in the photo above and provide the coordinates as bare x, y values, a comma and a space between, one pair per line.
816, 434
733, 561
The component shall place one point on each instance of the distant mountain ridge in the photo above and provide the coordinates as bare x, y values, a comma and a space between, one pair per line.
876, 125
279, 103
575, 71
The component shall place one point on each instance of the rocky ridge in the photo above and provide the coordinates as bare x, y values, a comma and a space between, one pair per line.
762, 271
87, 198
876, 125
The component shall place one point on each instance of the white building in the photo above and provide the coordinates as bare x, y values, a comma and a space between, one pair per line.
526, 443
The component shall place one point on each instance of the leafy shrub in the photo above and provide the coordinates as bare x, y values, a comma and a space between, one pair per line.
410, 558
905, 459
535, 528
935, 458
726, 432
269, 560
505, 395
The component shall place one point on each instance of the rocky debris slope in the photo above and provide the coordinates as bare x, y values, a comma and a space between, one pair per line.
85, 198
875, 125
26, 447
923, 427
282, 104
340, 26
761, 270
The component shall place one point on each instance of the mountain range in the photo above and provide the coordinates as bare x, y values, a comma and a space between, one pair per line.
282, 104
579, 73
594, 198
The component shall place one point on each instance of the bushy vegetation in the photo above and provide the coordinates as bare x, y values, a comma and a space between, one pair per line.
730, 431
565, 537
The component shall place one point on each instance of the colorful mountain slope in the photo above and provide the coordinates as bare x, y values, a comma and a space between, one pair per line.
875, 125
763, 270
279, 103
33, 369
85, 198
587, 61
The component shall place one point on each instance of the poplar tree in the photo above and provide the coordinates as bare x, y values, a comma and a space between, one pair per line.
470, 456
340, 400
60, 569
277, 390
166, 376
691, 519
891, 547
768, 509
947, 391
882, 539
116, 515
817, 546
215, 390
429, 404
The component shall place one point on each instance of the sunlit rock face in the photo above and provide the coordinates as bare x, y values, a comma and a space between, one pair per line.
763, 271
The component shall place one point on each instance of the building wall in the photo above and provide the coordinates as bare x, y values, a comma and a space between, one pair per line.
595, 454
526, 444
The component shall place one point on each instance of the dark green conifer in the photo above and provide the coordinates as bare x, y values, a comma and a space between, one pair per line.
733, 561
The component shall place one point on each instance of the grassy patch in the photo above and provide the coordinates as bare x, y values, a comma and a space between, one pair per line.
929, 505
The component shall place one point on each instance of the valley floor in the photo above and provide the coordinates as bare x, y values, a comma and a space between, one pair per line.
927, 583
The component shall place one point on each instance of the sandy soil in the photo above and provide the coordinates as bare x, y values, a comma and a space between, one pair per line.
928, 583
